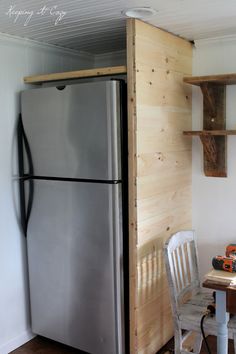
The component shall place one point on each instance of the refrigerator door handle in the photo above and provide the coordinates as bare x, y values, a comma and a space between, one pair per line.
27, 150
30, 203
21, 174
23, 144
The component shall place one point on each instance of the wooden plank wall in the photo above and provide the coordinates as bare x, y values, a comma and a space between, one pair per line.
159, 108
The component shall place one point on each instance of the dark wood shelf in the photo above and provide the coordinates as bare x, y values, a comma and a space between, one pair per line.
226, 79
214, 133
210, 132
213, 142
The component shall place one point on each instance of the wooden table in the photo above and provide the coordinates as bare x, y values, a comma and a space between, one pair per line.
225, 304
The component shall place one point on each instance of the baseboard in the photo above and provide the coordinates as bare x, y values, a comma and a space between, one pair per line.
16, 342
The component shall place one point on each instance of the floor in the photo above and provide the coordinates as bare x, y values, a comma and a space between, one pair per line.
169, 348
40, 345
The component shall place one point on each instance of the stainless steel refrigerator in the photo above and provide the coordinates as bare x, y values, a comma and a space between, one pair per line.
74, 205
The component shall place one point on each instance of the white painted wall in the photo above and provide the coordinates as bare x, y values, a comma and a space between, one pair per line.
110, 59
19, 58
214, 199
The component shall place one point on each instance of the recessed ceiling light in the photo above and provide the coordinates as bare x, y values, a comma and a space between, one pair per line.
140, 12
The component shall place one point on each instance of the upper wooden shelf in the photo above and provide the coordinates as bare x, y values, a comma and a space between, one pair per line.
226, 79
79, 74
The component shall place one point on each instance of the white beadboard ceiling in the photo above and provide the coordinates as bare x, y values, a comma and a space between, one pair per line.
98, 26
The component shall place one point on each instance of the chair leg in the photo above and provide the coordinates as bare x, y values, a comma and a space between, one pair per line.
198, 344
234, 343
178, 341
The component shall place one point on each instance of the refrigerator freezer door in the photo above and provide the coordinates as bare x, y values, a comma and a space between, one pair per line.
74, 132
74, 253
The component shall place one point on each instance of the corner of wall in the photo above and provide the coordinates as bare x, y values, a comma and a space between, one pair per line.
17, 342
110, 59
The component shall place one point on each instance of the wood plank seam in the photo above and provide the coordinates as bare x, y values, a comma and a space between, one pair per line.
132, 183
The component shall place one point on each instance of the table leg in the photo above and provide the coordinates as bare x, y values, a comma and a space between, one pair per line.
222, 318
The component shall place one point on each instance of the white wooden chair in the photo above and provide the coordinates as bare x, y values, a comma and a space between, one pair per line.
188, 300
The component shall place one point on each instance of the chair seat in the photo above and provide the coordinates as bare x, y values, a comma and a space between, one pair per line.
191, 312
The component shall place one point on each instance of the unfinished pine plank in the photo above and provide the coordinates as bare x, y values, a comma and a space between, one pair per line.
225, 79
150, 185
163, 117
161, 203
165, 77
163, 39
161, 57
78, 74
164, 97
167, 141
161, 174
177, 220
132, 170
153, 163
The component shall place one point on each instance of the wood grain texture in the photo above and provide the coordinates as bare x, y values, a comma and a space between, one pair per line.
79, 74
160, 172
132, 171
218, 166
209, 132
214, 118
225, 79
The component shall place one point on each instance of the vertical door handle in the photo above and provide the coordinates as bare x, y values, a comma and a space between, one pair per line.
23, 144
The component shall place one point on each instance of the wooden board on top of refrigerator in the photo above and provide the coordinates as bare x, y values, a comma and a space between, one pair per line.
78, 74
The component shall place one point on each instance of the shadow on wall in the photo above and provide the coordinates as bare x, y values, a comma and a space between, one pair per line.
153, 297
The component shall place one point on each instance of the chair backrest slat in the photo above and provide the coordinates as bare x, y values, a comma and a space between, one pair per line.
176, 275
190, 259
185, 271
181, 275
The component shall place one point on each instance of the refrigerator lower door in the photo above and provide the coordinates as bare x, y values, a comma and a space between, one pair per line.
74, 132
75, 264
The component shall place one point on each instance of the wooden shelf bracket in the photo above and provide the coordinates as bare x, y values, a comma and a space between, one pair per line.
208, 94
210, 148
